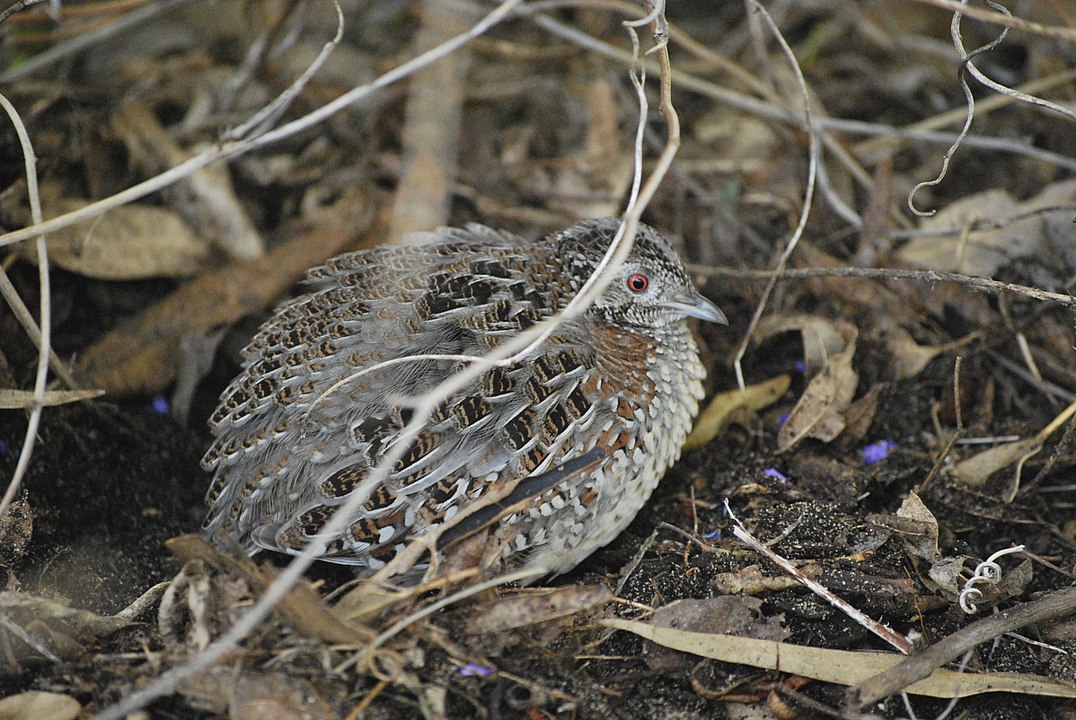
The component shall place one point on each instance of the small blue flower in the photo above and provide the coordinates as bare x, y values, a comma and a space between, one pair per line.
775, 473
800, 366
475, 670
877, 451
159, 405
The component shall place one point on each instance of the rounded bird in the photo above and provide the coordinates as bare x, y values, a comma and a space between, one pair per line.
554, 453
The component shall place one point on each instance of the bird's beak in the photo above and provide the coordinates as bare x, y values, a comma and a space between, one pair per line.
697, 306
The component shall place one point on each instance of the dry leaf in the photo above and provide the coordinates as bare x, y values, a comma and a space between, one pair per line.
818, 414
301, 605
716, 415
924, 542
126, 243
730, 614
53, 628
949, 575
860, 414
205, 198
822, 337
24, 399
909, 357
531, 608
752, 581
251, 695
983, 252
976, 470
838, 666
35, 705
141, 355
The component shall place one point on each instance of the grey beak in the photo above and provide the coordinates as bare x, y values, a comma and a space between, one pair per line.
699, 307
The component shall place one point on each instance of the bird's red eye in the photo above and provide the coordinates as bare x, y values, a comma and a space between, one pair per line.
637, 282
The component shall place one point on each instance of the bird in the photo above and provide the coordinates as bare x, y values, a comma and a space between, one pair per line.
571, 437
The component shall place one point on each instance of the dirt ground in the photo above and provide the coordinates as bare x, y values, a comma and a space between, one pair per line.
910, 383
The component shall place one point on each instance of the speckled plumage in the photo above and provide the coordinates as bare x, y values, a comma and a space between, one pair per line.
306, 420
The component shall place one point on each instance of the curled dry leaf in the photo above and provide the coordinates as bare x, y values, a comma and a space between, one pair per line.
822, 337
716, 416
129, 242
819, 412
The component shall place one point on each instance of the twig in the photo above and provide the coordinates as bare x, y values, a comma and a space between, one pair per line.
1055, 605
262, 120
45, 291
1004, 89
931, 276
965, 61
886, 633
996, 18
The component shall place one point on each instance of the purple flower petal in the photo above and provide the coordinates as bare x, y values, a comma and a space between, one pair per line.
159, 405
877, 451
775, 473
475, 670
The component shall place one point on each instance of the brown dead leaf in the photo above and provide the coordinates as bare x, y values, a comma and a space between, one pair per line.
819, 412
822, 337
44, 628
909, 357
532, 608
923, 543
860, 414
256, 696
141, 355
129, 242
752, 581
728, 614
